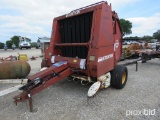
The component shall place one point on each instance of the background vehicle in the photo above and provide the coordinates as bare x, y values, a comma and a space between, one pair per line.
24, 43
5, 47
152, 45
13, 46
38, 45
43, 44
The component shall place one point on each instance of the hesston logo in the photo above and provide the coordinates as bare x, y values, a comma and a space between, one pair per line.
73, 13
116, 44
100, 59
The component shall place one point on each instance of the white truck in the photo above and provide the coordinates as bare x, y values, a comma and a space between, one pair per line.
24, 43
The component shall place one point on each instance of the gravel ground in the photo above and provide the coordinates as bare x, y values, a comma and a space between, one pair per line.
68, 101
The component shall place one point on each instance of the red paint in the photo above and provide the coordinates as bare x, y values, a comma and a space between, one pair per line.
105, 32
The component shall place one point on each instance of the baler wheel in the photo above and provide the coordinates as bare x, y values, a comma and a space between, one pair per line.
119, 76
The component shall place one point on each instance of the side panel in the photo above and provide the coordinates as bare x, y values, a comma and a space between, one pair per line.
106, 28
102, 27
55, 37
95, 27
117, 42
104, 46
104, 61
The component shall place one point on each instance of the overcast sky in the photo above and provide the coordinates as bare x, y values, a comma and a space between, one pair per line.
33, 18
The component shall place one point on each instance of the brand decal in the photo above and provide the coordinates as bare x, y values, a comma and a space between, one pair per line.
100, 59
116, 44
75, 12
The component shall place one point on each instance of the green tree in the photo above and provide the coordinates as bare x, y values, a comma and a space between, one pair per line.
147, 38
33, 44
1, 45
9, 43
126, 26
131, 37
156, 35
15, 40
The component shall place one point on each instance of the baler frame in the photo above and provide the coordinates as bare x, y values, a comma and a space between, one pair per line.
101, 45
112, 46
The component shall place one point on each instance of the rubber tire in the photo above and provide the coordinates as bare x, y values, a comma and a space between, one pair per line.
116, 76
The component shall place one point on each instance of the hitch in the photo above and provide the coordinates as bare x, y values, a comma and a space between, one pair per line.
42, 80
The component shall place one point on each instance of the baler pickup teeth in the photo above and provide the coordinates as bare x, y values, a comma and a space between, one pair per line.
42, 80
32, 83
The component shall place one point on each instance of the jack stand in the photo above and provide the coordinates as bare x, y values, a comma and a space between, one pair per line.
30, 102
137, 66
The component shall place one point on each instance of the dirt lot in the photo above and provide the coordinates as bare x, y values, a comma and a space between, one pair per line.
68, 100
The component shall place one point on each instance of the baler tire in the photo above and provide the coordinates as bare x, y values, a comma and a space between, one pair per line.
119, 76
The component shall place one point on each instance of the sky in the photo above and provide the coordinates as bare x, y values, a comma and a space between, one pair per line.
33, 18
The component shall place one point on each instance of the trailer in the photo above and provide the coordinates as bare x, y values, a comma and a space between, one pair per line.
85, 46
146, 54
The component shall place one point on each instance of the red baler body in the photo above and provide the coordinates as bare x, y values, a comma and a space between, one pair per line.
91, 34
85, 42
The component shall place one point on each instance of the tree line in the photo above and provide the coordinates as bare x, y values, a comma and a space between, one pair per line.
126, 26
14, 40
